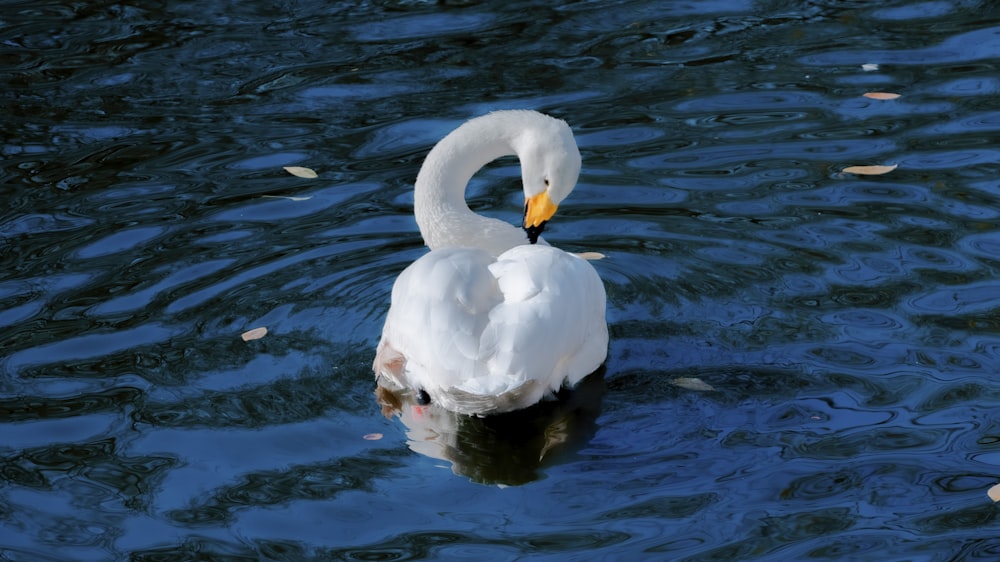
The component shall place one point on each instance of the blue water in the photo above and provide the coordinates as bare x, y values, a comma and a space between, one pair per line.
804, 362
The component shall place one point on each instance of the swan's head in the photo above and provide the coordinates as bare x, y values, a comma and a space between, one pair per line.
550, 166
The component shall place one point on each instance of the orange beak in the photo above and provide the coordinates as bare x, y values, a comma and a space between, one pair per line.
538, 209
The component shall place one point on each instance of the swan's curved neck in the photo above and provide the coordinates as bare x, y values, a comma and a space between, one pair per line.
439, 203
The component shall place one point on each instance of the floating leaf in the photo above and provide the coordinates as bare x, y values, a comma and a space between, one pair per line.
289, 197
254, 334
301, 172
693, 383
881, 95
870, 170
591, 255
869, 67
373, 437
994, 493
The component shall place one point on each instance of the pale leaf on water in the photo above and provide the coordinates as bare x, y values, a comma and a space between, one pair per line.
301, 172
870, 170
373, 436
591, 255
881, 95
869, 67
693, 383
994, 493
254, 334
289, 197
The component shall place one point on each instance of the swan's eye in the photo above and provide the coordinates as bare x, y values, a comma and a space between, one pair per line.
546, 182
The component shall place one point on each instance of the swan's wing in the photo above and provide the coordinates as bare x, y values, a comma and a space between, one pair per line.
440, 306
550, 326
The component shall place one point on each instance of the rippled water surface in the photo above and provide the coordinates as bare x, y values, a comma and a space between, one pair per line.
803, 363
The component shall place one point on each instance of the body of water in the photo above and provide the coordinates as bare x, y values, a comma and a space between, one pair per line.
803, 364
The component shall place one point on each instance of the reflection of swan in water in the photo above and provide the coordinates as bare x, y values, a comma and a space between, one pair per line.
504, 449
489, 321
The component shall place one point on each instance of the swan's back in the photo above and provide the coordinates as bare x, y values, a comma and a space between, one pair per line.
494, 334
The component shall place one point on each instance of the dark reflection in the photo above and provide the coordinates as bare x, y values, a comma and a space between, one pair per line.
438, 545
972, 515
281, 401
507, 449
25, 408
773, 532
206, 548
314, 481
102, 462
415, 545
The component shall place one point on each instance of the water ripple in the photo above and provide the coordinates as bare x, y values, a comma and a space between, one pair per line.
985, 245
961, 48
87, 346
719, 156
801, 363
972, 298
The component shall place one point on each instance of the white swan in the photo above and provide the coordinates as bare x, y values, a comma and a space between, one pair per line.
488, 321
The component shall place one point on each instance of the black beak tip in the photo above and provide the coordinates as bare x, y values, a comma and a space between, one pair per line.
534, 232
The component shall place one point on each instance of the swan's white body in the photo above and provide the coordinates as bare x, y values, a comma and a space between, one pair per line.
486, 322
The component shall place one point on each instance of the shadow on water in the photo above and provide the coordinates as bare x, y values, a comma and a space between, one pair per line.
507, 449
